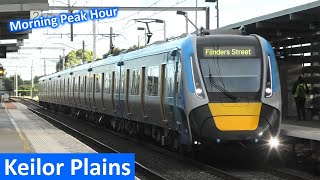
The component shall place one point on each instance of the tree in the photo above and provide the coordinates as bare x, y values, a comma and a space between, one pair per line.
117, 51
24, 89
75, 58
59, 64
36, 79
8, 84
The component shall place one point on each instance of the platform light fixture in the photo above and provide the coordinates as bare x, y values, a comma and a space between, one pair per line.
217, 8
185, 14
145, 35
147, 21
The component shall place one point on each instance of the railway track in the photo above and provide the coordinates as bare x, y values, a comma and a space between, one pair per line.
95, 144
266, 173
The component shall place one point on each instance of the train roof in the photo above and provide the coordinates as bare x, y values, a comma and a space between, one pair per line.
149, 50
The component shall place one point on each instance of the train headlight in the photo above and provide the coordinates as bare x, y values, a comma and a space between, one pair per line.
274, 142
199, 91
268, 92
196, 79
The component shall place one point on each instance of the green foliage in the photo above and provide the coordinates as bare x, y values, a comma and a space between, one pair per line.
75, 58
24, 86
59, 64
36, 79
24, 90
117, 51
8, 84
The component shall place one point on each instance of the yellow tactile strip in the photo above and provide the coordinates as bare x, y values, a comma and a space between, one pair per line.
44, 137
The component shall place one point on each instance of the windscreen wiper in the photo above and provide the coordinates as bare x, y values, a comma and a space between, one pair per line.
221, 89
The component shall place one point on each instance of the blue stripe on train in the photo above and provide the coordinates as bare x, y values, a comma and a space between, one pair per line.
187, 51
274, 66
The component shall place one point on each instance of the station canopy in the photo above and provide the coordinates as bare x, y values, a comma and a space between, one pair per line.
17, 9
295, 35
297, 25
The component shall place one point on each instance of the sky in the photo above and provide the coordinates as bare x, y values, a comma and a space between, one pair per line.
231, 11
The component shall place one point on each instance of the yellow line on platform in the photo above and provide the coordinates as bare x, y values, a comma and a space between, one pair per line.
22, 136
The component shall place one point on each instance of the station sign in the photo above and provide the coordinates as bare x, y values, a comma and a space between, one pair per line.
35, 14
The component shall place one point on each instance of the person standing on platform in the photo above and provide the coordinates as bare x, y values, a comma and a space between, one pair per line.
300, 91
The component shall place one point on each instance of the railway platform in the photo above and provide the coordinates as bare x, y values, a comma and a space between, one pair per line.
21, 131
309, 130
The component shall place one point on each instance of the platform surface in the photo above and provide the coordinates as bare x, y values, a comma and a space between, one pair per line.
301, 129
23, 131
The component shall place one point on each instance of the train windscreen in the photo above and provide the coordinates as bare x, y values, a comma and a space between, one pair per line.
230, 65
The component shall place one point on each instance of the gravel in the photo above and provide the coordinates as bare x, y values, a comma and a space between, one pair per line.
165, 165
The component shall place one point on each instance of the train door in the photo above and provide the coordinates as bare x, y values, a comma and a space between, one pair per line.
113, 86
78, 102
60, 98
91, 92
119, 94
85, 105
64, 92
162, 93
127, 82
171, 87
79, 86
143, 78
68, 92
73, 91
93, 95
95, 92
103, 91
87, 87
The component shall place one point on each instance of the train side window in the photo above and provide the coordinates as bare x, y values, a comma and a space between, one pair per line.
82, 85
107, 83
54, 89
135, 87
123, 77
153, 81
72, 85
65, 87
102, 83
133, 82
97, 83
113, 82
116, 81
127, 81
79, 82
60, 84
75, 87
89, 84
68, 86
57, 88
93, 83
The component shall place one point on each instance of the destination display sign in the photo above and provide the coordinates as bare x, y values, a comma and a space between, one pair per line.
229, 51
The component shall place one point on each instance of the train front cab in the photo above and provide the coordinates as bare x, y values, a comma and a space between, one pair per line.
242, 88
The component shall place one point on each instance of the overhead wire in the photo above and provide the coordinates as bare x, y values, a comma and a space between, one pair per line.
123, 17
125, 27
131, 14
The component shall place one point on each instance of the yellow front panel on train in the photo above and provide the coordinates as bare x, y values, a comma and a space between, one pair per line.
236, 116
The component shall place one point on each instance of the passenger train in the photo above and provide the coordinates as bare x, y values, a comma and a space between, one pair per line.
196, 90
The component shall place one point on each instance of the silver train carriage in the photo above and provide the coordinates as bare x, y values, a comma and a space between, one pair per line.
194, 90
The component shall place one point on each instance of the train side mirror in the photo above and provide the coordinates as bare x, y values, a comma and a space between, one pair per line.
174, 54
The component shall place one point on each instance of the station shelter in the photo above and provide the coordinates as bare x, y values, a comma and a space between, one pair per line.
295, 35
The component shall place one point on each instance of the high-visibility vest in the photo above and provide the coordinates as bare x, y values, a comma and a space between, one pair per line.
305, 89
